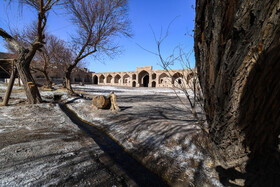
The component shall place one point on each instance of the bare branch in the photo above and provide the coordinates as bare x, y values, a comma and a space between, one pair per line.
10, 40
179, 56
50, 4
98, 23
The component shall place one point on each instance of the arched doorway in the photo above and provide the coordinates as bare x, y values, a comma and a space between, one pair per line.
143, 78
154, 84
109, 79
102, 78
177, 78
117, 79
133, 84
126, 79
146, 81
134, 77
95, 79
154, 76
163, 79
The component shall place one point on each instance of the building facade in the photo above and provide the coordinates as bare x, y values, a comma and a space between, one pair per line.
55, 71
143, 77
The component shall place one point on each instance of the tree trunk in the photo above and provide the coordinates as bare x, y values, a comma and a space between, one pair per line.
48, 81
10, 86
31, 90
25, 57
237, 54
68, 82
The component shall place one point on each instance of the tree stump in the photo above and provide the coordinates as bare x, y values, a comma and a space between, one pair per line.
113, 101
101, 102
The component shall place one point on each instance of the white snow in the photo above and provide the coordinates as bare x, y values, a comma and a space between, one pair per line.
134, 91
4, 87
157, 126
153, 126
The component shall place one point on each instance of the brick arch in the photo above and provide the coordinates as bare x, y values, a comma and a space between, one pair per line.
162, 77
154, 76
117, 79
109, 78
95, 79
143, 78
126, 78
177, 77
133, 76
102, 79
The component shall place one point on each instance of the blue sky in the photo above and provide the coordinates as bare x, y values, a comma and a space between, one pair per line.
145, 16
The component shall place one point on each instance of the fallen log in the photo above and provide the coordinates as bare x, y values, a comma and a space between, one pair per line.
101, 102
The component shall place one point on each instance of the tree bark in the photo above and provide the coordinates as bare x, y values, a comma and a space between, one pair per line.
237, 55
10, 86
48, 81
68, 82
31, 90
22, 63
101, 102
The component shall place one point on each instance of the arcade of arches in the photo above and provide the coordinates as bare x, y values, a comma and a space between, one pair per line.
142, 77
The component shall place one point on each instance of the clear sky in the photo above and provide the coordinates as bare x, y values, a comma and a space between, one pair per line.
145, 16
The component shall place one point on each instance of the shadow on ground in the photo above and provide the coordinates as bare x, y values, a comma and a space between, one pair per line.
158, 132
141, 175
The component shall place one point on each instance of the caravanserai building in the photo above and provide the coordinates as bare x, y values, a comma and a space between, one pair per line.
143, 77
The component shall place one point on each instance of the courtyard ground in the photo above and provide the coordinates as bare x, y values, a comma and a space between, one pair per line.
53, 143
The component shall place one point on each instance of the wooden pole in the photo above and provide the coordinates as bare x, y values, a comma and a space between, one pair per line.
10, 86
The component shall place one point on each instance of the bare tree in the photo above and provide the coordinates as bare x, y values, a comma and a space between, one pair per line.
25, 55
45, 59
63, 55
188, 82
98, 23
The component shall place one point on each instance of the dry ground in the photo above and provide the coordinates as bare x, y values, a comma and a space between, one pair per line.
40, 145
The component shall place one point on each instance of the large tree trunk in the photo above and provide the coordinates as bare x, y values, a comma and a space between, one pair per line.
25, 57
31, 90
237, 54
68, 81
